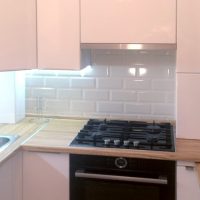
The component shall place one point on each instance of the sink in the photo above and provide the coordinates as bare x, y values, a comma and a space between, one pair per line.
6, 140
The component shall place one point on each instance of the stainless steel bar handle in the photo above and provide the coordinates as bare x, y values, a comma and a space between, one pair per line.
82, 174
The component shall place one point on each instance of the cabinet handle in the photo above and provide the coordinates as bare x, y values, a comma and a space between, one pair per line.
189, 168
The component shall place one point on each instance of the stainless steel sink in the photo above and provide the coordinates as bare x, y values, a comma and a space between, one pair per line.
6, 140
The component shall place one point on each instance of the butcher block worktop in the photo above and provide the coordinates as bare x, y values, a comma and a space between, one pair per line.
58, 134
22, 130
55, 135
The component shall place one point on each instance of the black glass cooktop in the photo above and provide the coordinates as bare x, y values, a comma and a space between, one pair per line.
126, 134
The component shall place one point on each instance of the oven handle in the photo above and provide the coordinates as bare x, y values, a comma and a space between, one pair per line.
82, 174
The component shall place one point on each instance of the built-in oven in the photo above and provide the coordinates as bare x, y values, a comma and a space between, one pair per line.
117, 178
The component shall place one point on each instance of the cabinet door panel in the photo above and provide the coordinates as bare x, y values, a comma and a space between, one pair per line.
188, 36
11, 178
187, 182
188, 106
58, 34
17, 35
128, 21
45, 176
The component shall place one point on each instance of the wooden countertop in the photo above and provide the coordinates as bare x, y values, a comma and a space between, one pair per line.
55, 135
58, 134
24, 129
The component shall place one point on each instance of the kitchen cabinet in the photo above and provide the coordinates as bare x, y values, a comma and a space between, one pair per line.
188, 36
187, 181
188, 109
41, 34
17, 35
128, 21
45, 176
11, 178
58, 34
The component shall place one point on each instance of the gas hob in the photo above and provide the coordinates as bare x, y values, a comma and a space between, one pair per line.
138, 135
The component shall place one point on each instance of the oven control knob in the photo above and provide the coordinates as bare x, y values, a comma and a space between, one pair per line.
116, 142
121, 162
126, 143
136, 143
107, 141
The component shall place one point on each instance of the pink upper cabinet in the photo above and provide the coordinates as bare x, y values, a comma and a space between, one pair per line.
17, 35
58, 29
128, 21
188, 36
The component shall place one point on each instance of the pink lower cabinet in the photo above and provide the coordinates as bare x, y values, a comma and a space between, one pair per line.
188, 106
45, 176
187, 181
11, 177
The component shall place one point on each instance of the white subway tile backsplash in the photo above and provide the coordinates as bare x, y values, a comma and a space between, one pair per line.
56, 107
82, 83
130, 117
72, 94
108, 83
153, 97
170, 97
135, 108
137, 84
83, 106
34, 82
132, 85
164, 109
163, 84
30, 106
123, 96
97, 71
44, 92
95, 95
109, 107
28, 92
119, 71
57, 82
108, 60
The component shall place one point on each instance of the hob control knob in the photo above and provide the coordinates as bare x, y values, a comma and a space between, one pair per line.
136, 143
107, 141
116, 142
121, 162
126, 143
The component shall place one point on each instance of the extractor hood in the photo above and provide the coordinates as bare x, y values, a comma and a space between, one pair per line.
146, 46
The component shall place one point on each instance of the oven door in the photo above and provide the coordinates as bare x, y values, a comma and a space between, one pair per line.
97, 184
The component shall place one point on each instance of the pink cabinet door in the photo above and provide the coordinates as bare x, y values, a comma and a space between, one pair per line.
187, 181
17, 35
188, 36
188, 106
58, 34
45, 176
128, 21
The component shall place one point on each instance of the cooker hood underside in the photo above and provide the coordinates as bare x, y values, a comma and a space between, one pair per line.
131, 46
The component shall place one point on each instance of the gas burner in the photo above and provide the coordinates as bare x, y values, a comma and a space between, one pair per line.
126, 134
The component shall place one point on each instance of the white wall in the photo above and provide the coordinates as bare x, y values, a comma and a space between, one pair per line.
12, 97
122, 84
